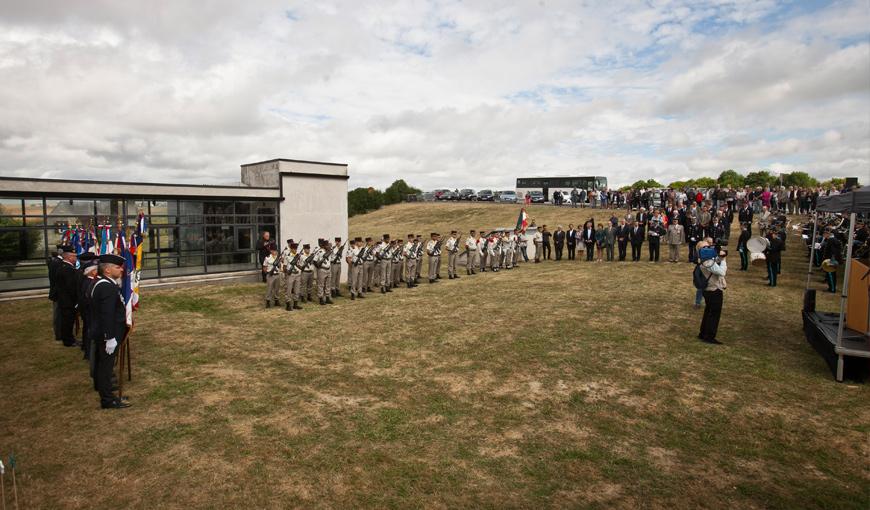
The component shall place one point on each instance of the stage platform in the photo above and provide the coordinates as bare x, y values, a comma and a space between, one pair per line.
821, 332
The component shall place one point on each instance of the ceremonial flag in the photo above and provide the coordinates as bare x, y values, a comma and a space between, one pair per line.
120, 242
127, 284
141, 226
77, 241
136, 254
106, 245
523, 220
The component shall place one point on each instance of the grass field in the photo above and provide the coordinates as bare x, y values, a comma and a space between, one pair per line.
566, 384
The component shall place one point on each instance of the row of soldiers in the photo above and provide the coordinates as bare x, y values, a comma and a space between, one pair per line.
86, 286
383, 264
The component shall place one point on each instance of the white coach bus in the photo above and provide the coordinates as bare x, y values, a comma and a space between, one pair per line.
547, 185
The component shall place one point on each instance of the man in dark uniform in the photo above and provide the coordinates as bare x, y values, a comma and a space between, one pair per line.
559, 241
654, 239
832, 249
744, 216
571, 241
66, 284
773, 256
694, 233
108, 318
54, 263
89, 263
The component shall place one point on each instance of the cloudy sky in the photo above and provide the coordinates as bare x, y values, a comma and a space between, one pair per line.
440, 93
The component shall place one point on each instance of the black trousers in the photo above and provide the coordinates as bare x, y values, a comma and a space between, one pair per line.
547, 251
622, 246
559, 251
654, 244
590, 250
67, 323
572, 250
55, 320
103, 369
712, 311
635, 251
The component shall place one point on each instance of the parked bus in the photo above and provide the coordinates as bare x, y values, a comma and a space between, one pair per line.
547, 185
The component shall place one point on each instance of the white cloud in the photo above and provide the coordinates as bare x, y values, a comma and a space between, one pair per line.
442, 94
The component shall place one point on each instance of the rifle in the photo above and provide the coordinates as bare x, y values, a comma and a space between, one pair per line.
420, 250
359, 257
337, 258
309, 259
436, 249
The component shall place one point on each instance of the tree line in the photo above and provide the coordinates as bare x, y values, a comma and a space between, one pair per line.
363, 200
737, 180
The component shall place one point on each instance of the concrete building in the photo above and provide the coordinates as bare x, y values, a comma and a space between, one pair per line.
193, 230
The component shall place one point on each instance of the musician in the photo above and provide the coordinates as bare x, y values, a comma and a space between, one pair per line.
559, 241
742, 248
714, 269
571, 241
636, 236
832, 249
773, 256
622, 233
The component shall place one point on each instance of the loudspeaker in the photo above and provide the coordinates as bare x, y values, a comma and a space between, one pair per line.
810, 301
851, 182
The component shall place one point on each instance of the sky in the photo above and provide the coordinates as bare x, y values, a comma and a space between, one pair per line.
439, 93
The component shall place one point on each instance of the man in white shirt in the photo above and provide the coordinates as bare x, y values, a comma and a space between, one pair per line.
713, 268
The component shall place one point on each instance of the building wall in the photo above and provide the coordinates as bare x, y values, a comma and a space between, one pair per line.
314, 207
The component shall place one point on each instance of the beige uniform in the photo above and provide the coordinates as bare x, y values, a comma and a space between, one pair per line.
307, 276
368, 272
396, 265
291, 277
273, 280
473, 259
452, 253
433, 258
386, 271
410, 253
335, 269
322, 264
356, 270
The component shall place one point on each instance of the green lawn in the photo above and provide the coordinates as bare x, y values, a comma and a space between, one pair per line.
555, 385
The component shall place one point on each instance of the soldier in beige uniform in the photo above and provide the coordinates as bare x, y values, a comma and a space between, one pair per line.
452, 246
396, 262
473, 255
377, 267
307, 273
335, 268
291, 277
321, 262
433, 250
385, 263
410, 251
420, 246
350, 267
368, 265
273, 280
355, 265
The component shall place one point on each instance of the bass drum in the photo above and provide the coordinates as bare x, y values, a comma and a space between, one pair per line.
757, 244
757, 259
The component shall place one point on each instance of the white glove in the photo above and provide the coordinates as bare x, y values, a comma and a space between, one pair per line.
111, 344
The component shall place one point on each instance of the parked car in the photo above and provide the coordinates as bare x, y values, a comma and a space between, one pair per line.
507, 196
537, 197
467, 194
440, 194
485, 195
428, 196
450, 195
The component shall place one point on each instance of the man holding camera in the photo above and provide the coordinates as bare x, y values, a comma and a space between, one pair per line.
713, 269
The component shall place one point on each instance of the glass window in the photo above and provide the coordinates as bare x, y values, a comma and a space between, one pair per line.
33, 207
244, 237
18, 243
12, 207
110, 207
191, 238
164, 240
243, 208
219, 239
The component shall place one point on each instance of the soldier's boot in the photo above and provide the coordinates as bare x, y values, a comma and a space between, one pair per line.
383, 289
409, 284
361, 295
456, 277
296, 305
322, 301
431, 280
352, 296
328, 301
268, 303
288, 306
277, 303
449, 276
437, 276
390, 288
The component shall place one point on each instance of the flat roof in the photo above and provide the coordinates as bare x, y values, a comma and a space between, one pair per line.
72, 187
294, 161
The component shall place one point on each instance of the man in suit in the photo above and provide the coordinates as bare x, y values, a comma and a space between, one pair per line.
54, 263
642, 218
559, 241
744, 216
622, 234
545, 241
654, 239
571, 241
676, 237
636, 237
609, 241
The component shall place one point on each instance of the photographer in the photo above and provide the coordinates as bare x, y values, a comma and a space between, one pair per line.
713, 269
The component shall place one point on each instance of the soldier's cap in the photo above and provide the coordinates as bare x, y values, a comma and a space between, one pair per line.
67, 249
290, 241
87, 257
294, 245
338, 239
306, 246
472, 231
453, 232
434, 234
357, 239
368, 239
111, 258
410, 236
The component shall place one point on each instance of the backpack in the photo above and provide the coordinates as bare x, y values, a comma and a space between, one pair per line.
698, 279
